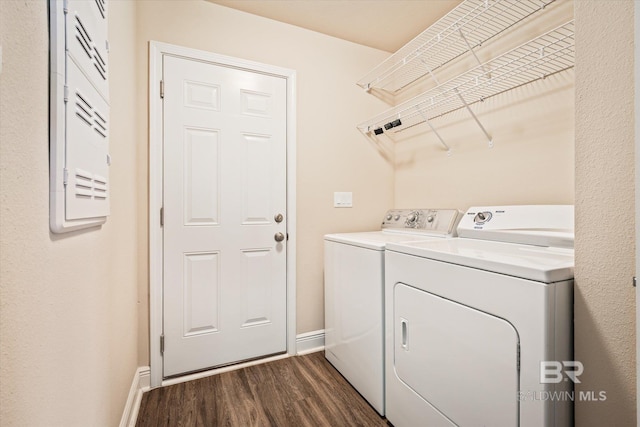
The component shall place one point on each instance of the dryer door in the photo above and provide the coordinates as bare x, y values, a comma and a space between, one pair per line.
462, 361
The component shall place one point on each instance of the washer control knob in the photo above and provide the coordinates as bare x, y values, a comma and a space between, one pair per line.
389, 217
397, 217
430, 218
412, 219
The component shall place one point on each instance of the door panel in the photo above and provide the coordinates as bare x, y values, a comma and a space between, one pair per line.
201, 180
200, 293
464, 362
224, 294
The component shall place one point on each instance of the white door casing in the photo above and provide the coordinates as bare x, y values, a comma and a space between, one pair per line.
637, 193
223, 185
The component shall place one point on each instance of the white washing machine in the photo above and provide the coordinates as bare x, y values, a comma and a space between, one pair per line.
354, 293
470, 321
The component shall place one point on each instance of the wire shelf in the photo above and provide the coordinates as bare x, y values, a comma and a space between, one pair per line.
543, 56
469, 25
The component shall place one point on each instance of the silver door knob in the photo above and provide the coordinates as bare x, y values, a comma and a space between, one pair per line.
279, 237
278, 218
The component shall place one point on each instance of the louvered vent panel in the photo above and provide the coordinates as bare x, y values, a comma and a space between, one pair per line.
90, 115
87, 40
87, 149
102, 8
79, 142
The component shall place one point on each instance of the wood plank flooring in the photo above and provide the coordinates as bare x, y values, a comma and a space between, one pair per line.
297, 391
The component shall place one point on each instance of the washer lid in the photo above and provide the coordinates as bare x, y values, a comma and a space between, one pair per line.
377, 240
542, 264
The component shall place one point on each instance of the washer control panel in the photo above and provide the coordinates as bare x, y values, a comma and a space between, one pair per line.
429, 221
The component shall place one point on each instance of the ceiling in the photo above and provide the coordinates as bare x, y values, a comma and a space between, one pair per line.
382, 24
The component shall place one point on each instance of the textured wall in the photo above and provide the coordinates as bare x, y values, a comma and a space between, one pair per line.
67, 302
605, 241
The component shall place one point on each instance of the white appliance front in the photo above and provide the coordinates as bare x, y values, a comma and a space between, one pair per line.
354, 289
471, 323
354, 296
435, 340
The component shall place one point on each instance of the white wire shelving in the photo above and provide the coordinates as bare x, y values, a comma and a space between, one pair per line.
466, 27
539, 58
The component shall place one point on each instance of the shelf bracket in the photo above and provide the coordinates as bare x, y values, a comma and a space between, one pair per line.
487, 73
434, 130
435, 79
475, 118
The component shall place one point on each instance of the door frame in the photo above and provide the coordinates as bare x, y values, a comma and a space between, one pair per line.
156, 52
636, 26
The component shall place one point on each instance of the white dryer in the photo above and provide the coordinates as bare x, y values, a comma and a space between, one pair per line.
354, 293
471, 321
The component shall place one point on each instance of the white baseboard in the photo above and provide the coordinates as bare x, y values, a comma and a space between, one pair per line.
306, 343
310, 342
141, 383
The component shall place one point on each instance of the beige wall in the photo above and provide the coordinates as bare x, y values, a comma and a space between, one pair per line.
331, 154
69, 305
67, 302
605, 242
532, 128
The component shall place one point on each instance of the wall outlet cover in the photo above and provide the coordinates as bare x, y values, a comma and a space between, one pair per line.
342, 199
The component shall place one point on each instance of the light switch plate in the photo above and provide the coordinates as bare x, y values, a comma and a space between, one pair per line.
342, 199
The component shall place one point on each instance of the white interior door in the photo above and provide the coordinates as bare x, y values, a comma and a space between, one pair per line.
224, 180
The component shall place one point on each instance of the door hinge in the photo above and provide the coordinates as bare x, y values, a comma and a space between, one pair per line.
162, 344
65, 176
634, 281
161, 216
518, 363
161, 88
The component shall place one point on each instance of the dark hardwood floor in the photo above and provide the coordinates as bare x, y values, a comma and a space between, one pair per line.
297, 391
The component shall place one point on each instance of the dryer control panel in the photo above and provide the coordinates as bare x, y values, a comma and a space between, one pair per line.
539, 225
428, 221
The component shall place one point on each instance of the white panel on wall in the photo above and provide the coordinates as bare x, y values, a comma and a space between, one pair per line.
79, 114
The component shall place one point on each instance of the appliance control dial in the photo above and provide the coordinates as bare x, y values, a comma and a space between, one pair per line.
412, 219
430, 218
482, 217
389, 216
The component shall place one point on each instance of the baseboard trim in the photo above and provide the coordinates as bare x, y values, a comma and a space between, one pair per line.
141, 383
310, 342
